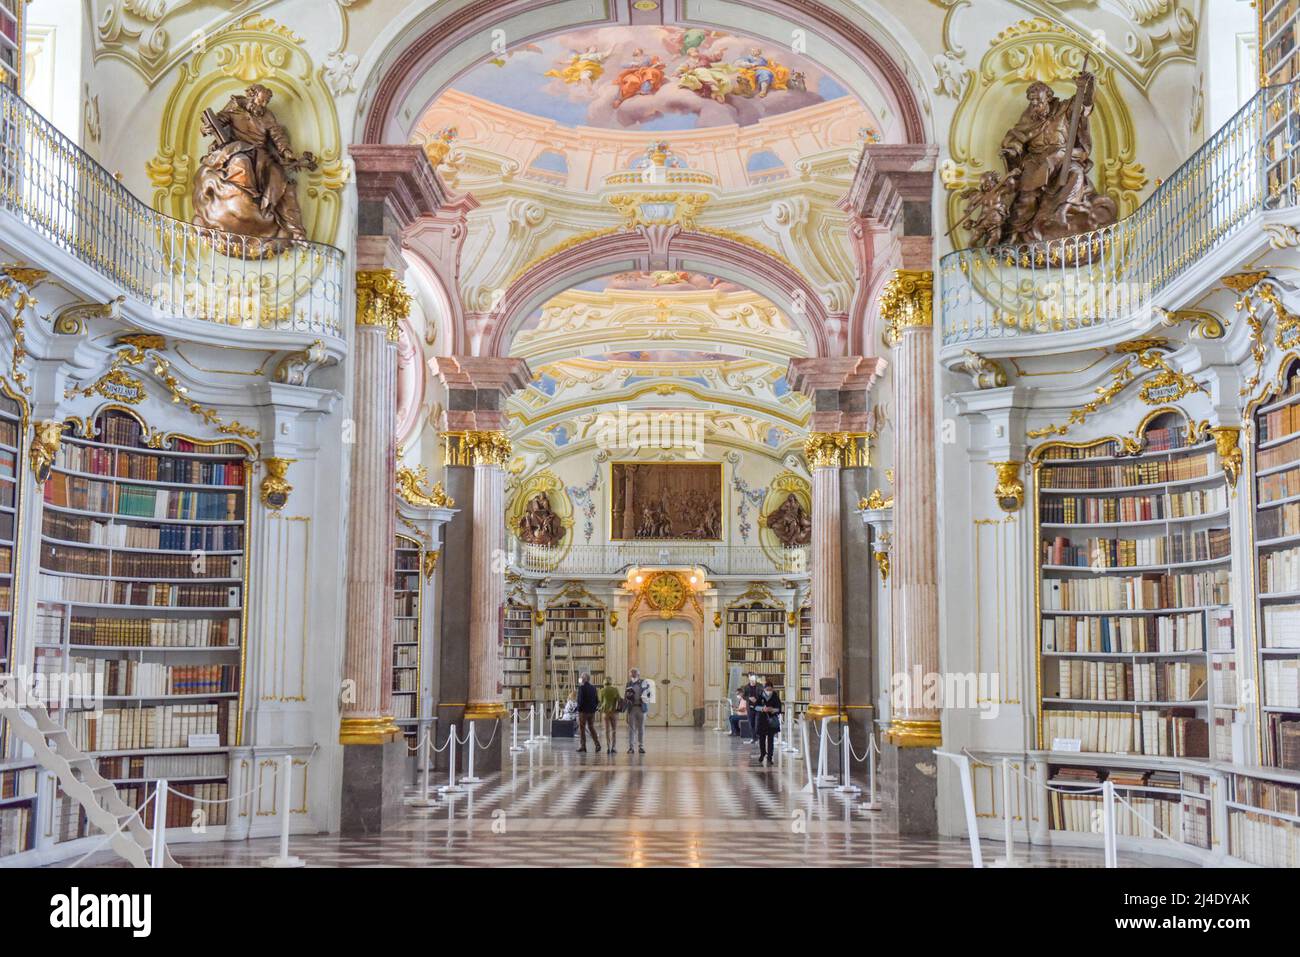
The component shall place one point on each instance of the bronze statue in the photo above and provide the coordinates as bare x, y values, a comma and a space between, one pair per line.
539, 525
790, 523
1048, 159
243, 184
987, 208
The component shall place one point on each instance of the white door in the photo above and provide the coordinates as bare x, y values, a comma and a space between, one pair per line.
666, 651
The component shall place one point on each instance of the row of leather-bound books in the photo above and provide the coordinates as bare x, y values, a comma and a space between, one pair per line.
1123, 475
1177, 548
1097, 509
118, 463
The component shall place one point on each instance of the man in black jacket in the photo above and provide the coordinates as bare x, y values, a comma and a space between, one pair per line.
588, 702
753, 695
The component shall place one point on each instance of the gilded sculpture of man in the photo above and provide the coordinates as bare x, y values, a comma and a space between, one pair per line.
1054, 196
243, 184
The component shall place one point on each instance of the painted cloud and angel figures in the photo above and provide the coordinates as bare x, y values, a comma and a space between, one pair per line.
654, 78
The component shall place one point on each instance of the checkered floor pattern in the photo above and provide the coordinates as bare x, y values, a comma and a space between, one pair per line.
695, 799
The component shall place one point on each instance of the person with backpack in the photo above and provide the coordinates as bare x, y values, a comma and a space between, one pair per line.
611, 704
634, 701
588, 702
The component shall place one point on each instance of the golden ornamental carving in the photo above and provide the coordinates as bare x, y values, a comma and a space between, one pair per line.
1010, 489
16, 280
717, 619
1227, 444
120, 386
275, 487
875, 502
1205, 324
413, 488
838, 449
907, 302
882, 550
882, 563
430, 564
382, 300
1252, 289
487, 448
1171, 382
48, 435
686, 209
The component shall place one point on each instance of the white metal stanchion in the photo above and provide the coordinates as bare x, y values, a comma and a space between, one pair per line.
1008, 858
807, 756
846, 755
159, 857
717, 724
823, 778
285, 859
515, 746
871, 804
968, 800
532, 716
470, 741
451, 787
426, 762
788, 746
1108, 824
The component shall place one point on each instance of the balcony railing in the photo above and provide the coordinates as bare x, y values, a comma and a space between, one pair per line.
176, 269
617, 557
1106, 276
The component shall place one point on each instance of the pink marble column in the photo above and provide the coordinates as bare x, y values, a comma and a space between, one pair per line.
907, 310
474, 430
367, 714
839, 438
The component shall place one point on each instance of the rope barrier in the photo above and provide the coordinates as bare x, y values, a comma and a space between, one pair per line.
1134, 812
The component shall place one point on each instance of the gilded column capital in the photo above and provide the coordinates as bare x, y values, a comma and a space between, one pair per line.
481, 447
833, 450
382, 300
907, 302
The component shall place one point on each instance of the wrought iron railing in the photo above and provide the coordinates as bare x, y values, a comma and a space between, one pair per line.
177, 269
1107, 276
616, 557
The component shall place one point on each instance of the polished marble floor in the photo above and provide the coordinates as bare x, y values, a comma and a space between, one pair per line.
695, 799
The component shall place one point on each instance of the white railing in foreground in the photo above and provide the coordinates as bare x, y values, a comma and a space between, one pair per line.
1094, 279
616, 557
177, 269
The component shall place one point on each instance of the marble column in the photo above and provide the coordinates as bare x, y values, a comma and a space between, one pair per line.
907, 308
367, 711
476, 454
396, 186
824, 569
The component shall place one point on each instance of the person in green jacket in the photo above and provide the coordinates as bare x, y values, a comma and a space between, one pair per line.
609, 699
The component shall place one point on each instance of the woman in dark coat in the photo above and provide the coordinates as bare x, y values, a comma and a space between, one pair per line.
769, 721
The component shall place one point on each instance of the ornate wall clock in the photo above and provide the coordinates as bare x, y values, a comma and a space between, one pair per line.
666, 593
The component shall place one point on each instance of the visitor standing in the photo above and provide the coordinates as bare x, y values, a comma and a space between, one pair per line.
634, 699
588, 702
609, 708
769, 721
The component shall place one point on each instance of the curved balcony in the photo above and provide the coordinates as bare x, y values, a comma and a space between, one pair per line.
173, 273
617, 557
1113, 275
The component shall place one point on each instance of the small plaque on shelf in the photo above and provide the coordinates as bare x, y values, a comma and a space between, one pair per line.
204, 741
1067, 744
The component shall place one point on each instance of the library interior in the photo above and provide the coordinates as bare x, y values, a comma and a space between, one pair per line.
876, 415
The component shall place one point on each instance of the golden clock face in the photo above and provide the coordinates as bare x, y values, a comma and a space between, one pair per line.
665, 592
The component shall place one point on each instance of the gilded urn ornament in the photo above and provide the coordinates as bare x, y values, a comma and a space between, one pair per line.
244, 185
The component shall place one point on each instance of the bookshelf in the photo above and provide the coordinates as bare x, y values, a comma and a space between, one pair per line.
1134, 592
517, 654
575, 642
11, 43
756, 640
1264, 819
408, 564
11, 430
805, 653
1275, 455
1279, 51
141, 606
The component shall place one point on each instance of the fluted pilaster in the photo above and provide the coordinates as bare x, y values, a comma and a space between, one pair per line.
826, 583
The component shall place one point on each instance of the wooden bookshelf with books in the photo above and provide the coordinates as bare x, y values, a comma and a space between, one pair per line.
517, 652
1279, 41
140, 603
756, 639
1134, 591
408, 564
805, 653
1276, 489
575, 642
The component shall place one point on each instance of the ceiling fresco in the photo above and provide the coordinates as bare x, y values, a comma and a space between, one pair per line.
650, 78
